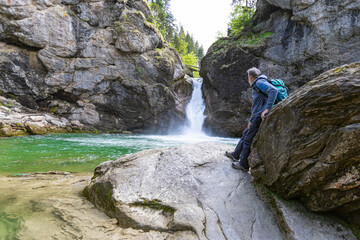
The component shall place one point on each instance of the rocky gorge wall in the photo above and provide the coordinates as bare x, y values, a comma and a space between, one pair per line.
102, 63
292, 40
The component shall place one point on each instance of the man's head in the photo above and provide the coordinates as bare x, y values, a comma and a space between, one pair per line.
253, 73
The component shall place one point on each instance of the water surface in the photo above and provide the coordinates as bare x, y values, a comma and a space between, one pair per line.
81, 152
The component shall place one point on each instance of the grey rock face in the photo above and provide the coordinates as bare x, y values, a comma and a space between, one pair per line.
308, 147
101, 63
191, 190
293, 40
298, 223
135, 34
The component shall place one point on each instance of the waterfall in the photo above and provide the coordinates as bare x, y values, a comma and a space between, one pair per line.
195, 110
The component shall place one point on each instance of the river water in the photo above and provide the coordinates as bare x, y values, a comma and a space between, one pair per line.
81, 152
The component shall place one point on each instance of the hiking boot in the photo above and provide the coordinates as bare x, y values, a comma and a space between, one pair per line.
238, 166
229, 155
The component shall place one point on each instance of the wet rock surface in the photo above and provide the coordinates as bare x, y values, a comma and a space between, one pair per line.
30, 202
292, 40
193, 191
308, 148
102, 63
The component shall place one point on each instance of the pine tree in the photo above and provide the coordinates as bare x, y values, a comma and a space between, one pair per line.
175, 35
182, 43
163, 17
200, 54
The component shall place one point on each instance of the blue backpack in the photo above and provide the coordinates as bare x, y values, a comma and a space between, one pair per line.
280, 86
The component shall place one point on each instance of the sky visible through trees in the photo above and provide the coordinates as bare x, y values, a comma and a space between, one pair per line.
239, 15
190, 49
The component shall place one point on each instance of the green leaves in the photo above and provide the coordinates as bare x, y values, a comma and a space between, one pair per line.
240, 18
175, 35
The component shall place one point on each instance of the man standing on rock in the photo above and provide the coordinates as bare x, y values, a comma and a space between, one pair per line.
264, 95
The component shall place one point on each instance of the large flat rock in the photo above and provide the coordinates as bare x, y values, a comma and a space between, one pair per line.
191, 190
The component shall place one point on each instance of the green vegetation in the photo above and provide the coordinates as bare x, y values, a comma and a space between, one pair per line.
355, 229
140, 72
240, 18
253, 39
54, 110
184, 43
242, 33
156, 204
70, 13
119, 27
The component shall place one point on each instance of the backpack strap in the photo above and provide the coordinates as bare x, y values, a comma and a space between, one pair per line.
258, 89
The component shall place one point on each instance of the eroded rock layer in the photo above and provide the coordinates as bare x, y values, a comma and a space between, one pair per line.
17, 120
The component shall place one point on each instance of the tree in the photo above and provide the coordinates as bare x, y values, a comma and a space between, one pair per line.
163, 17
182, 43
200, 53
244, 3
190, 41
175, 35
240, 17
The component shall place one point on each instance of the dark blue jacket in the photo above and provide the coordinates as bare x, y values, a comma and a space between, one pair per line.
262, 101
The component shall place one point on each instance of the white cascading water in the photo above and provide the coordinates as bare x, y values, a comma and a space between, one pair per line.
195, 110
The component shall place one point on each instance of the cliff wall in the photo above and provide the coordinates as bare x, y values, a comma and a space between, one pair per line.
102, 63
293, 40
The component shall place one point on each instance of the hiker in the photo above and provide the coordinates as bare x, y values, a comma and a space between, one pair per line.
264, 95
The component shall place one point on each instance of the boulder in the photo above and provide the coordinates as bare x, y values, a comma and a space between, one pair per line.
193, 192
308, 147
102, 63
294, 40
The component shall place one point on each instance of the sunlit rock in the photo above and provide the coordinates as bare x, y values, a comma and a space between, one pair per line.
193, 192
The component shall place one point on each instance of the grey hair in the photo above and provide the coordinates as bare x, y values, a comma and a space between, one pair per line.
254, 72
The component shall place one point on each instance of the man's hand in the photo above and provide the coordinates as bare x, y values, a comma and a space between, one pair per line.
263, 114
249, 125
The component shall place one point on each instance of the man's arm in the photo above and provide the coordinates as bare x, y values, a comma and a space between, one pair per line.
271, 92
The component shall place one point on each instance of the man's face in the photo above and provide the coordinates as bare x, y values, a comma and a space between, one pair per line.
250, 79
